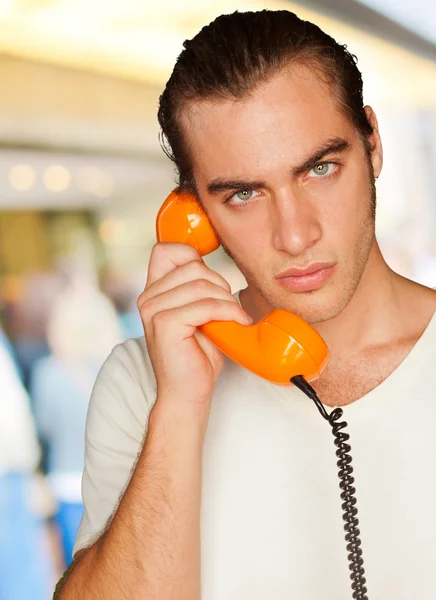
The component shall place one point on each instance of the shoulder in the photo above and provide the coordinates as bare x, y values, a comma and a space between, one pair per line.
129, 362
125, 388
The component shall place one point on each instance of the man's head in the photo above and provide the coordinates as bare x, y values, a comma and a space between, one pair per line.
267, 110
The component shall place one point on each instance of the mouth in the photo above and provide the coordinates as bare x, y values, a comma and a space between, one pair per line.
306, 280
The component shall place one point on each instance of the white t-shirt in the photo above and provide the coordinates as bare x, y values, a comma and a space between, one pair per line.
271, 517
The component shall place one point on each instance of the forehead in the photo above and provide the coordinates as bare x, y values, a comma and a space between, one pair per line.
279, 124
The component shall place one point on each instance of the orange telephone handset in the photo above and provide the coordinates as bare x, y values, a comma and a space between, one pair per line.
281, 345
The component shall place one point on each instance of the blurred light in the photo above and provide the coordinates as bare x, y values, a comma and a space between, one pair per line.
95, 181
111, 231
7, 6
22, 177
169, 42
133, 38
56, 178
141, 40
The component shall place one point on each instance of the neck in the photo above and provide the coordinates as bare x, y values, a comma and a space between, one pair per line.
373, 317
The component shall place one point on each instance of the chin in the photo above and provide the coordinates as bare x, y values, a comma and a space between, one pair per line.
315, 306
318, 313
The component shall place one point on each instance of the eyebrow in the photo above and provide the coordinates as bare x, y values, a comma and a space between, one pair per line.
335, 145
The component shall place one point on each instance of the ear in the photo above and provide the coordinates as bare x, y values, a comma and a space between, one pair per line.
375, 142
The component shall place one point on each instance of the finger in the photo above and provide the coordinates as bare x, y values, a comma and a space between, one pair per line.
181, 322
185, 293
191, 271
167, 256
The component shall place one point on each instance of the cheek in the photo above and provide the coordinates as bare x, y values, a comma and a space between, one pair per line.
243, 237
344, 205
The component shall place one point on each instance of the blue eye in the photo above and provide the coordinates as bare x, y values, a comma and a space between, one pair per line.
242, 196
322, 169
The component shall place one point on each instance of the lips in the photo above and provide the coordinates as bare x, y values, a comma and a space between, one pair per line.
313, 268
308, 279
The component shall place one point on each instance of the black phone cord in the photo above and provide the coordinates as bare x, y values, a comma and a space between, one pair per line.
352, 532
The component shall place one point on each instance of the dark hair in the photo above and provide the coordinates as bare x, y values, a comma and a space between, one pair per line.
235, 53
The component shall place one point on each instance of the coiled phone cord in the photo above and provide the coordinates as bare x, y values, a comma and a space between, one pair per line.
357, 572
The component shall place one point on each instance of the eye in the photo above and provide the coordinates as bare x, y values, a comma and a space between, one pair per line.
242, 196
322, 169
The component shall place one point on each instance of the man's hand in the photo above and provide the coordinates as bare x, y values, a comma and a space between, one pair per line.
181, 294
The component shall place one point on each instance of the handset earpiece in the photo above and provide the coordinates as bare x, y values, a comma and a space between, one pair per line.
181, 219
277, 348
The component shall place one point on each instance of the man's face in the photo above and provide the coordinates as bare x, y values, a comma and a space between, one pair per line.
276, 200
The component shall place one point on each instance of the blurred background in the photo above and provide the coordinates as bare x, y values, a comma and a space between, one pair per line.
81, 178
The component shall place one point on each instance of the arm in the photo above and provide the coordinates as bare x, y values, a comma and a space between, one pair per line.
151, 549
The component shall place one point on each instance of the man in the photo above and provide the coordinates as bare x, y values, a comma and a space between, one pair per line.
193, 461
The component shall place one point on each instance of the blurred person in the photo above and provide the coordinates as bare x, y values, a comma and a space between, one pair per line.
203, 480
81, 330
25, 566
28, 315
120, 288
5, 342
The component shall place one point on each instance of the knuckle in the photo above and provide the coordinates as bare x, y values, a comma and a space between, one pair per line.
196, 269
191, 251
169, 248
237, 309
157, 249
148, 309
140, 301
213, 303
224, 282
202, 285
144, 312
160, 251
160, 318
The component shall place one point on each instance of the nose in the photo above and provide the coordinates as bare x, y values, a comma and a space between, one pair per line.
296, 223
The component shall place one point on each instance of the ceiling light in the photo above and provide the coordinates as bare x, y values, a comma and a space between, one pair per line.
95, 181
111, 231
56, 178
22, 177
